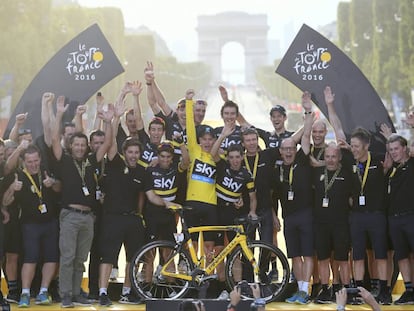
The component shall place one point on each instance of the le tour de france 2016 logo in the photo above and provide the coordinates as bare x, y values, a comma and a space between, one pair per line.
84, 63
312, 62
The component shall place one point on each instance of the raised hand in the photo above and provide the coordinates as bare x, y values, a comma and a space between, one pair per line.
223, 93
306, 101
149, 73
17, 184
60, 105
189, 94
136, 88
107, 115
21, 118
329, 96
385, 130
48, 98
80, 110
48, 181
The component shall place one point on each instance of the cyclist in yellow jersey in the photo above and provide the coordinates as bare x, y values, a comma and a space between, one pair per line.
201, 176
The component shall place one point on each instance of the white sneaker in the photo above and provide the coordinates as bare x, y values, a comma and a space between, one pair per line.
114, 274
224, 295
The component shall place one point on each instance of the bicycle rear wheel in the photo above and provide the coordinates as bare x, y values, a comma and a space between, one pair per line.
145, 271
274, 271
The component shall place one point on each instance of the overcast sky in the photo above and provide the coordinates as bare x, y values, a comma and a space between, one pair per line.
175, 21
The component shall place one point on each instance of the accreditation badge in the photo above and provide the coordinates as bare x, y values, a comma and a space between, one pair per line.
42, 208
85, 191
362, 200
290, 195
325, 202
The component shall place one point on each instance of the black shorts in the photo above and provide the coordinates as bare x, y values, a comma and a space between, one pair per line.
372, 225
201, 214
298, 230
41, 242
402, 235
160, 225
1, 238
227, 213
332, 237
117, 230
13, 236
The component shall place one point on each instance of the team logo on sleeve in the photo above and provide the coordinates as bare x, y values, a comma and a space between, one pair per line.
203, 172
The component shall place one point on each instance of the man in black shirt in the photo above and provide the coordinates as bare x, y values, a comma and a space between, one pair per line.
122, 221
34, 193
368, 210
78, 199
401, 211
293, 184
333, 187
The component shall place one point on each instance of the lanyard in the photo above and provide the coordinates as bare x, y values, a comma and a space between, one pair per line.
318, 157
290, 175
363, 180
37, 190
81, 171
394, 170
328, 185
256, 162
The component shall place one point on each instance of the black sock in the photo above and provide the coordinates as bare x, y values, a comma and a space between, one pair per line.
383, 286
408, 286
12, 285
359, 283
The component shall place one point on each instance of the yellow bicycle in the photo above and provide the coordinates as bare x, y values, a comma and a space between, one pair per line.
168, 270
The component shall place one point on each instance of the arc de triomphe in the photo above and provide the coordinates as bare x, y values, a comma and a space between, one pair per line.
250, 30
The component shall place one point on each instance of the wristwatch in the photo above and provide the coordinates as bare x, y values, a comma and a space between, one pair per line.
231, 307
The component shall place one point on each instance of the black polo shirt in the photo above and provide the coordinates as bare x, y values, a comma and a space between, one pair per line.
338, 195
301, 185
122, 186
72, 192
401, 185
374, 189
29, 201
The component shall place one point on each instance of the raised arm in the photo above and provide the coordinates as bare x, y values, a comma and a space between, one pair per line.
332, 115
136, 89
119, 110
106, 117
60, 110
158, 102
80, 110
308, 120
13, 160
228, 128
100, 100
14, 133
47, 100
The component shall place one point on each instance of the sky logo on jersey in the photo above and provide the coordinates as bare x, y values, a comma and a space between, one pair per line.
225, 144
204, 172
164, 183
148, 155
231, 184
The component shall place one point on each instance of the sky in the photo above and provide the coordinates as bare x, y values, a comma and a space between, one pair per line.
176, 21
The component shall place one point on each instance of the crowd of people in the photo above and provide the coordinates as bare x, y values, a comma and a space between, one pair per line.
74, 192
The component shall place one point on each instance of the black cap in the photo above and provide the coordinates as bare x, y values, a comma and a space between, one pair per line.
205, 129
279, 109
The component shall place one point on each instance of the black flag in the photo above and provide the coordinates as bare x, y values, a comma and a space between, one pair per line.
77, 71
312, 62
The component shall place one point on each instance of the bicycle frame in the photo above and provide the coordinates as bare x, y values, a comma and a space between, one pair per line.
240, 239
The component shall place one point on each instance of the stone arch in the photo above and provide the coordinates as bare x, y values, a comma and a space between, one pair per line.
250, 30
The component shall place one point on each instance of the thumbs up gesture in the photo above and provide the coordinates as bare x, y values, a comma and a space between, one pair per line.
17, 184
48, 181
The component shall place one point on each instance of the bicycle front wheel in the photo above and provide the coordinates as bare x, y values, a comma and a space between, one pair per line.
274, 271
146, 276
